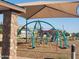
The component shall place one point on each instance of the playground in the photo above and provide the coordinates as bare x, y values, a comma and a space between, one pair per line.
39, 47
32, 40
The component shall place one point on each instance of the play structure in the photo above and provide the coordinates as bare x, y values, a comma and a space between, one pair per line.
63, 42
37, 32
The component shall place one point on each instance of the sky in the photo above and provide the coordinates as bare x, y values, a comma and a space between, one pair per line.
70, 24
20, 1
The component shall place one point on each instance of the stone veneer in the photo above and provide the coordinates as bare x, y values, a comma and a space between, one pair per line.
9, 42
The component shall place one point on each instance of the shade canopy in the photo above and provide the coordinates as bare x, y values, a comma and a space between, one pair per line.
50, 9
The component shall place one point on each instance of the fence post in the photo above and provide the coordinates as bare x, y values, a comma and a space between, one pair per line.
73, 51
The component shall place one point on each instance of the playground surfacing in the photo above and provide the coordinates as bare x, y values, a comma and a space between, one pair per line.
43, 51
50, 51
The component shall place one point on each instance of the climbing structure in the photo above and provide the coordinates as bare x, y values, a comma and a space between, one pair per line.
56, 37
61, 42
37, 32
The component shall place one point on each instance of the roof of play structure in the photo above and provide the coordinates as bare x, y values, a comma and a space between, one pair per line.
47, 9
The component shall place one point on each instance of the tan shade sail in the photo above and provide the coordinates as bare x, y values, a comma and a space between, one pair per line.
50, 9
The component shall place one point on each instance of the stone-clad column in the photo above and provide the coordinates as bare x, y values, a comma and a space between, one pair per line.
9, 42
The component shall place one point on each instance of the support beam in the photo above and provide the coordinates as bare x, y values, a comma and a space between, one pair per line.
26, 31
9, 42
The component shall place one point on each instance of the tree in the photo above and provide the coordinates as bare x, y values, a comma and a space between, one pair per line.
67, 34
77, 34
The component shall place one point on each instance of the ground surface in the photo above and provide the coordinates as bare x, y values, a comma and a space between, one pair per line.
45, 51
